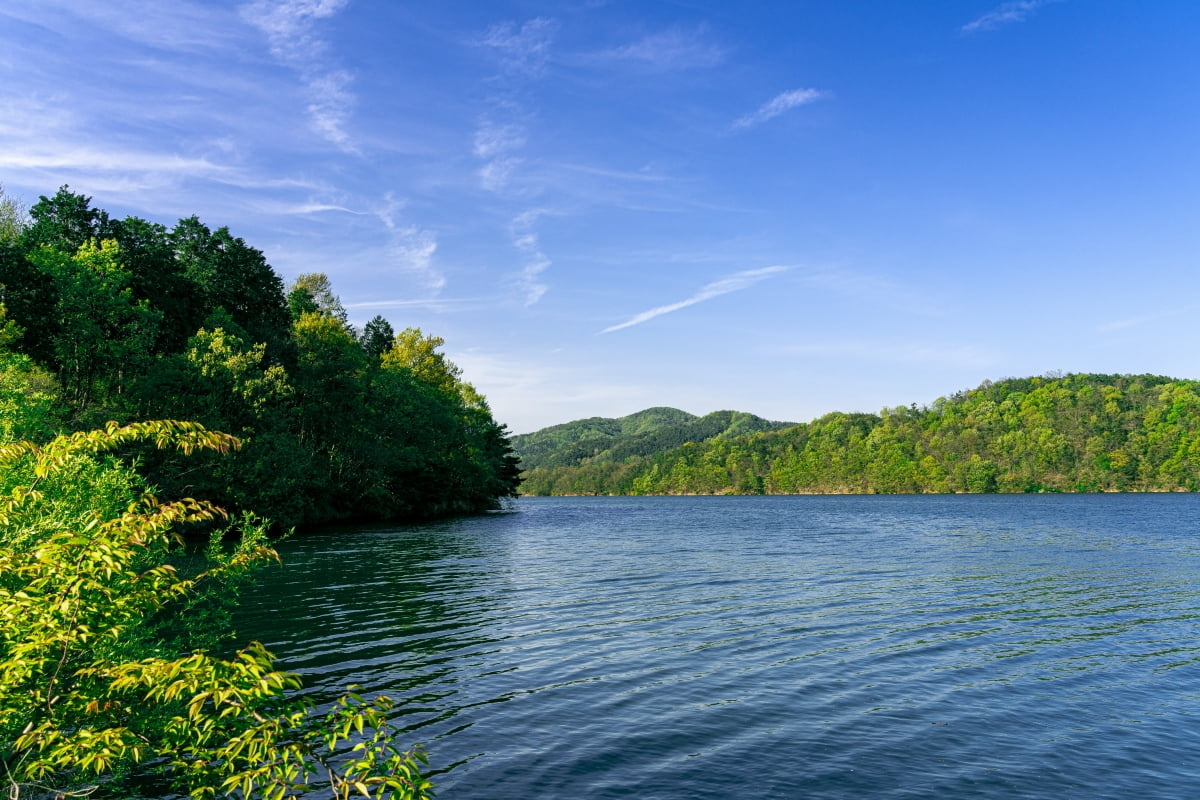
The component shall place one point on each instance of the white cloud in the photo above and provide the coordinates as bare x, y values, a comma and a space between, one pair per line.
329, 106
494, 143
495, 174
1144, 319
492, 140
176, 26
412, 250
1002, 15
409, 247
289, 28
437, 304
536, 262
735, 282
107, 160
524, 49
778, 105
669, 50
288, 25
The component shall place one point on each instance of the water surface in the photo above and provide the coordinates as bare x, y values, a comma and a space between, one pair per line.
769, 647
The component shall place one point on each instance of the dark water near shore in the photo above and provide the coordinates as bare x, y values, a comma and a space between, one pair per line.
773, 647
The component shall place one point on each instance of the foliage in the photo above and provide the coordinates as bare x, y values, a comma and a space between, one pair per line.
13, 218
85, 697
1061, 433
29, 395
598, 455
102, 330
126, 319
312, 292
377, 337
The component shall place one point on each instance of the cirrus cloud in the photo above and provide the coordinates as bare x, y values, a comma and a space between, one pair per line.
733, 283
785, 101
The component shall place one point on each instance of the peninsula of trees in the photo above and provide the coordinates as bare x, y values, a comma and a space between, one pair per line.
126, 320
1055, 433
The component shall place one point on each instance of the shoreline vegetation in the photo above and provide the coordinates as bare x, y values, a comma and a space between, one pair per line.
118, 671
1053, 433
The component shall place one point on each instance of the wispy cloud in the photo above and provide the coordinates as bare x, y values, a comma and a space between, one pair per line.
674, 49
182, 25
778, 105
492, 139
1006, 14
438, 304
410, 248
107, 160
329, 106
522, 49
873, 289
495, 144
525, 239
733, 283
1143, 319
290, 28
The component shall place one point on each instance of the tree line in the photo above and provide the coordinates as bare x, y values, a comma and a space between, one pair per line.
125, 320
1055, 433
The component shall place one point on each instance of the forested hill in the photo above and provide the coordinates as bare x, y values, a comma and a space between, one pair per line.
1072, 433
127, 320
599, 440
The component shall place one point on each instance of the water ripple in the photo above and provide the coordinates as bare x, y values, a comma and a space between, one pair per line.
973, 647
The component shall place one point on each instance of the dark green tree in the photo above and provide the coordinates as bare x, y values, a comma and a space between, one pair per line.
377, 336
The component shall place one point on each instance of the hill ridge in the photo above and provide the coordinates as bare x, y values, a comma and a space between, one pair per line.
1077, 432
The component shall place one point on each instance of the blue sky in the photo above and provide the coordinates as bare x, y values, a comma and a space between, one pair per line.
782, 208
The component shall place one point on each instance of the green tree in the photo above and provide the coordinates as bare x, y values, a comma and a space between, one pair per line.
66, 222
419, 354
377, 336
312, 292
14, 218
102, 333
231, 275
156, 276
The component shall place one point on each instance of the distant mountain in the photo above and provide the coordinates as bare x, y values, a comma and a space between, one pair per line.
1055, 433
602, 440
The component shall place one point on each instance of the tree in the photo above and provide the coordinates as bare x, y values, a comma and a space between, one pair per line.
230, 274
80, 706
13, 218
419, 354
311, 292
377, 337
156, 276
100, 331
66, 222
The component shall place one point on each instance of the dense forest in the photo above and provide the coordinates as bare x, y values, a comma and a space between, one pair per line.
644, 433
125, 319
1056, 433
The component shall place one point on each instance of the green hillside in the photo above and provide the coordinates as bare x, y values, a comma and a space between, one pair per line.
604, 445
1072, 433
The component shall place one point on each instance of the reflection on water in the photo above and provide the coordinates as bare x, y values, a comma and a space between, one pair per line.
823, 647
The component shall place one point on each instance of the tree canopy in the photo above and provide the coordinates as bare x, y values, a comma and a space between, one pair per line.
1058, 433
132, 320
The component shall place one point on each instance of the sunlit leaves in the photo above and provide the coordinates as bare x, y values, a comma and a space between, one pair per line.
74, 707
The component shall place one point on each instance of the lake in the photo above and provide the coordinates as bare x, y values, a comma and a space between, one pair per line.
976, 646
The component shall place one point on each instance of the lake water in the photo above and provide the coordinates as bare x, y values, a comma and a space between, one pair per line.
769, 647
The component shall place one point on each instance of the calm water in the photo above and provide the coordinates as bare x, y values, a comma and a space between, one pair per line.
769, 647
